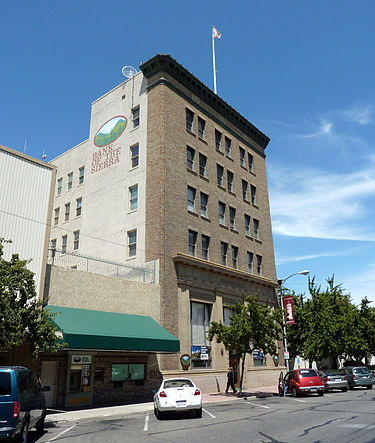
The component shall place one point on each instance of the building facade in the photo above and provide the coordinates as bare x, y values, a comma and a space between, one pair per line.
172, 177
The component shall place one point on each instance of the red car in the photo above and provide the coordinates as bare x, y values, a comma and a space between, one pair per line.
301, 381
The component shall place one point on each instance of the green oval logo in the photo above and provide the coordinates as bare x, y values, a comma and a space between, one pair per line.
110, 131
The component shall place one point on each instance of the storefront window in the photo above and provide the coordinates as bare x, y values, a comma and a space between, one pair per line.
258, 357
128, 371
200, 324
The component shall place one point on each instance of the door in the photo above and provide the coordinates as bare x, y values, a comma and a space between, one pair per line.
233, 363
49, 378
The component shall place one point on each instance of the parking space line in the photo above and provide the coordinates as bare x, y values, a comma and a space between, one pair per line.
301, 401
61, 433
260, 406
145, 427
209, 413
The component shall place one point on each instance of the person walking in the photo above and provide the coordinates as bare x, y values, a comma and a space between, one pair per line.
230, 383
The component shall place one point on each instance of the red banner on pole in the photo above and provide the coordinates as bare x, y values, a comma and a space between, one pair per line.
289, 308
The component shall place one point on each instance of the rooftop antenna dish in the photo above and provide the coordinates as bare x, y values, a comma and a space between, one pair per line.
44, 156
128, 71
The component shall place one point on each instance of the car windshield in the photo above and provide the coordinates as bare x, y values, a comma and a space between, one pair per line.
178, 384
308, 373
361, 371
5, 387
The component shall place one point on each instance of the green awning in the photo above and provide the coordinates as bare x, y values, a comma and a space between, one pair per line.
87, 329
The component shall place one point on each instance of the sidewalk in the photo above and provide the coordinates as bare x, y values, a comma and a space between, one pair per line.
216, 397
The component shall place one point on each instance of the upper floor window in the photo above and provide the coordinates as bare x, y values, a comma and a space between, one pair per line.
244, 189
59, 186
235, 257
220, 175
67, 211
192, 239
259, 265
201, 127
256, 229
247, 225
218, 137
135, 117
53, 243
133, 197
253, 195
230, 181
64, 243
250, 261
228, 148
132, 243
202, 165
57, 214
134, 155
204, 204
222, 213
224, 252
76, 240
250, 158
191, 199
205, 246
81, 176
189, 120
70, 180
242, 156
190, 155
79, 206
232, 217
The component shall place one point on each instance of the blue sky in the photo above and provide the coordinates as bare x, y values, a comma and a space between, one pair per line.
302, 72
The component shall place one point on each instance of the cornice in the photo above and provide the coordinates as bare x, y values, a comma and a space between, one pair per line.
165, 63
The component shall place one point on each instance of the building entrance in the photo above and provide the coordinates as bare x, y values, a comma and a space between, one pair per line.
233, 363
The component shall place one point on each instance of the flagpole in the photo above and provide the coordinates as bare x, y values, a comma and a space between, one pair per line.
214, 64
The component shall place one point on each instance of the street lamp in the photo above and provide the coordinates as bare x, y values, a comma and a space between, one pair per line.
281, 282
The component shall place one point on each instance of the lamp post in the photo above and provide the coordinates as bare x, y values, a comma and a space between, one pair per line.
281, 282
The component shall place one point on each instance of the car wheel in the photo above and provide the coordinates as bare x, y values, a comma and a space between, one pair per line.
24, 435
369, 387
198, 413
159, 415
321, 393
295, 392
351, 387
344, 389
40, 425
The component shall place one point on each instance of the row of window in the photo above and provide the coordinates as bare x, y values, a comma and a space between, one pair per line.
222, 144
67, 211
69, 185
205, 251
191, 205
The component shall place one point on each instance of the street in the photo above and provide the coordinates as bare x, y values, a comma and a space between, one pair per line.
336, 417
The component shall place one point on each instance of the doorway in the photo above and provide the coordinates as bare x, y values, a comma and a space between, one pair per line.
234, 363
49, 378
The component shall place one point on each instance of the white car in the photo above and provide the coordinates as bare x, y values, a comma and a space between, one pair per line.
178, 395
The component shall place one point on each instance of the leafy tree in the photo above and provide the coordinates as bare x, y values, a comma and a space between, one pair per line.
22, 317
251, 326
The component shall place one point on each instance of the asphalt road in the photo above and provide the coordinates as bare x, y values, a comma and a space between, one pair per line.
337, 417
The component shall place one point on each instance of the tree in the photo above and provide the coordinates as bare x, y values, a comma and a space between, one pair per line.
22, 317
251, 326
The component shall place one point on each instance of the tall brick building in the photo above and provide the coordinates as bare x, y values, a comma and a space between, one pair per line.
173, 175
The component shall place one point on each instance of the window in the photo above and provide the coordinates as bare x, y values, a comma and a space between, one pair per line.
244, 189
250, 158
242, 156
133, 197
189, 120
192, 242
247, 225
259, 265
218, 140
135, 117
76, 240
134, 155
202, 165
232, 218
127, 371
227, 314
70, 180
191, 199
230, 181
253, 195
220, 175
200, 314
59, 186
190, 154
67, 211
235, 257
53, 243
132, 243
222, 213
64, 243
250, 261
256, 229
57, 214
201, 126
81, 176
228, 143
224, 252
204, 203
79, 206
205, 246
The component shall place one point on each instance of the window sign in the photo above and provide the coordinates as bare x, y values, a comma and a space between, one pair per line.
199, 352
137, 371
120, 372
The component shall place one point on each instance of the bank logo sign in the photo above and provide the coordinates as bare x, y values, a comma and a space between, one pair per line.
110, 131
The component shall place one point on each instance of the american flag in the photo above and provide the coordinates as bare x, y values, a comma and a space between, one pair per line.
215, 33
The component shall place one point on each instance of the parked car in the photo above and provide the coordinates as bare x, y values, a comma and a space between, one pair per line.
358, 376
22, 403
178, 395
334, 379
302, 381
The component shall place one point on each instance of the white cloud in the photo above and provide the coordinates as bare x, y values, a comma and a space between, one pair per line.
362, 115
282, 260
